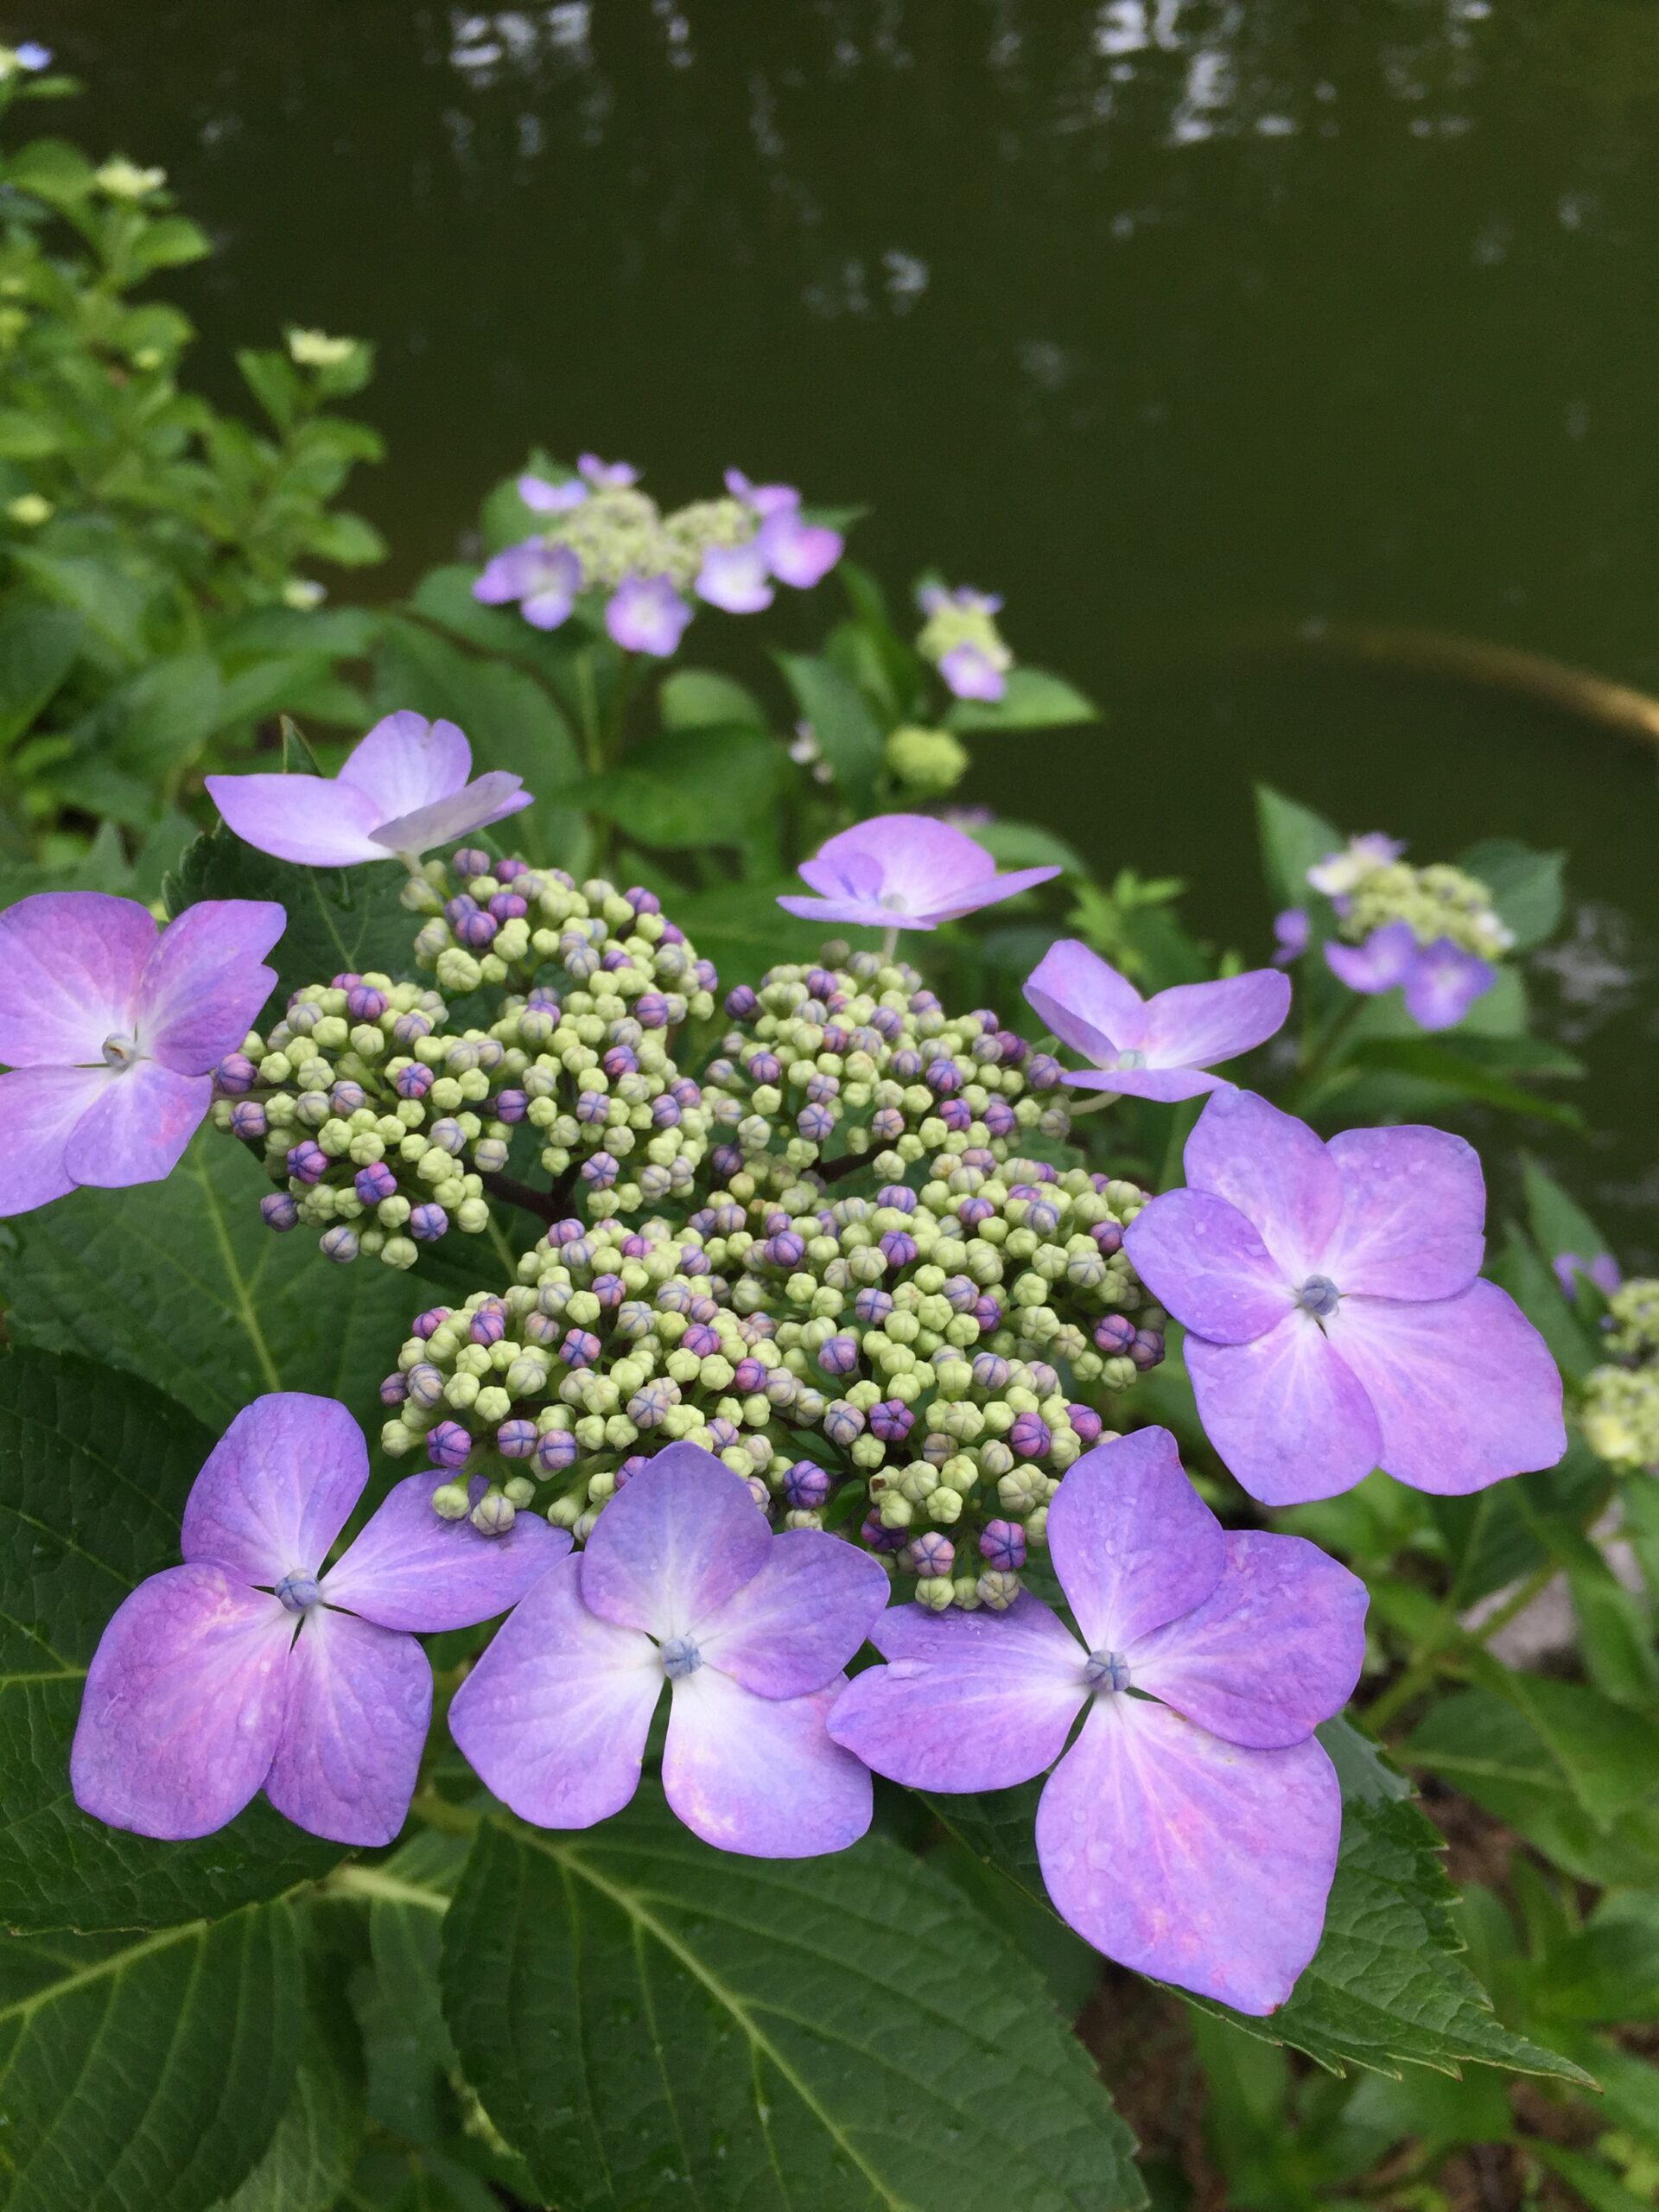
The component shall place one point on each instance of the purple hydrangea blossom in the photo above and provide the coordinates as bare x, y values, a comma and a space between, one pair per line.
1338, 872
607, 475
682, 1581
1162, 1047
252, 1667
402, 790
112, 1028
646, 614
972, 668
1602, 1269
1441, 981
542, 498
543, 579
905, 872
797, 552
1335, 1316
1190, 1833
736, 578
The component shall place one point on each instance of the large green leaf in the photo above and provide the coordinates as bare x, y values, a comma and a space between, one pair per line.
94, 1470
655, 2024
309, 2158
145, 2073
849, 735
181, 1282
688, 787
1385, 1984
1526, 887
698, 698
1031, 699
38, 645
1293, 840
340, 920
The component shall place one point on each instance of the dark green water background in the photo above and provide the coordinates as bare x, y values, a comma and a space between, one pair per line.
1168, 319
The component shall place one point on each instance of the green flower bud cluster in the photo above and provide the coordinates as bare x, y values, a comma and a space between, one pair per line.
380, 1112
620, 532
931, 761
832, 1067
1439, 901
896, 1361
1620, 1410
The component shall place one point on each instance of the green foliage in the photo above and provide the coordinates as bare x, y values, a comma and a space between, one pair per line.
657, 2023
1031, 699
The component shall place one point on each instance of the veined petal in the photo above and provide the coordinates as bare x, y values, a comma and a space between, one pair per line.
316, 821
40, 1110
1202, 1259
136, 1129
410, 1568
70, 962
355, 1723
668, 1550
1274, 1169
1275, 1647
183, 1704
734, 577
490, 799
990, 890
1190, 1859
798, 553
1167, 1086
205, 982
1414, 1210
1443, 983
800, 1619
1132, 1542
1285, 1413
406, 762
1382, 963
761, 1775
278, 1488
858, 913
1193, 1025
553, 1719
1465, 1389
967, 1700
1085, 1002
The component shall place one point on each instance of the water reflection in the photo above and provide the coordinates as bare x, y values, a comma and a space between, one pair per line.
1170, 318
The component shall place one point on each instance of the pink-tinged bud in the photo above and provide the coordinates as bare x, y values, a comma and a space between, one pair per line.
339, 1243
516, 1439
748, 1377
806, 1487
701, 1340
308, 1162
413, 1081
891, 1420
990, 1371
610, 1291
394, 1390
1114, 1335
248, 1119
1108, 1236
280, 1210
957, 1115
508, 906
556, 1450
470, 862
897, 1247
600, 1171
1029, 1437
477, 931
365, 1003
999, 1117
374, 1183
1003, 1545
450, 1445
425, 1325
650, 1010
1148, 1350
931, 1555
581, 1348
839, 1355
235, 1074
1086, 1423
876, 1537
488, 1325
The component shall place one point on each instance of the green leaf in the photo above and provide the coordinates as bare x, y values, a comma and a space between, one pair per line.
697, 698
1603, 1752
169, 242
160, 719
1293, 840
1027, 844
849, 735
655, 2023
145, 2073
1427, 1060
1596, 2186
274, 382
1526, 887
743, 930
182, 1283
1491, 1750
309, 2158
53, 169
1032, 699
511, 719
111, 603
690, 787
26, 436
411, 2058
346, 540
95, 1471
1385, 1985
38, 646
338, 919
1559, 1223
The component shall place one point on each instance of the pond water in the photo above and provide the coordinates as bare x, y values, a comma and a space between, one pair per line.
1186, 324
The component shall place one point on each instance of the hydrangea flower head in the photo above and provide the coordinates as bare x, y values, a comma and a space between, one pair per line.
543, 579
960, 636
255, 1666
797, 552
682, 1582
905, 871
1190, 1832
1337, 1318
1341, 872
1431, 932
402, 790
1162, 1047
112, 1028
